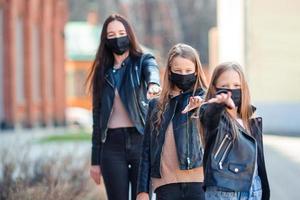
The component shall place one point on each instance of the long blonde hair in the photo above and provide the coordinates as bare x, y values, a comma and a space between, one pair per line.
245, 110
187, 52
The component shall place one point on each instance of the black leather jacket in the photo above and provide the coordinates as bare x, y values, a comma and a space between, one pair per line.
138, 74
229, 163
187, 139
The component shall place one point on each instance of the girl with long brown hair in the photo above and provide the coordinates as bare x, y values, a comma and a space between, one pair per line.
171, 162
121, 79
233, 158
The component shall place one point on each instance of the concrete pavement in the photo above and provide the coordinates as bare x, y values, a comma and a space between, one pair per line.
282, 156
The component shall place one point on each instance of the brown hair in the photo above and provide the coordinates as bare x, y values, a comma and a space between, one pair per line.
104, 57
187, 52
245, 109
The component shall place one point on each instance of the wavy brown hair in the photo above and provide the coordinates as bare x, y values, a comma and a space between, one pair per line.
187, 52
245, 110
104, 57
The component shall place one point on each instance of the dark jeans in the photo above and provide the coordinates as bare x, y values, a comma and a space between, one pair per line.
120, 162
180, 191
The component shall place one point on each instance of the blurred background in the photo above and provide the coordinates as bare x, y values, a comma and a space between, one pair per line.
47, 48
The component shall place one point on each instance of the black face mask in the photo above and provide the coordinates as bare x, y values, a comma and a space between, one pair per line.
118, 45
183, 82
236, 95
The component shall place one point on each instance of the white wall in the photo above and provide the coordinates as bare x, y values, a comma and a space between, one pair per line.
230, 22
264, 37
273, 62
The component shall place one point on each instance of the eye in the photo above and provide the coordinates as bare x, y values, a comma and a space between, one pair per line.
237, 85
224, 86
111, 35
123, 33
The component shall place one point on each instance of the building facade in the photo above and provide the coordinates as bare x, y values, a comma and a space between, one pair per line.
32, 74
264, 37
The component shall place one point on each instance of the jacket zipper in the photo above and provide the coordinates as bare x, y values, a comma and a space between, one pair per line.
109, 82
188, 140
256, 149
224, 156
136, 101
105, 131
227, 137
255, 142
137, 76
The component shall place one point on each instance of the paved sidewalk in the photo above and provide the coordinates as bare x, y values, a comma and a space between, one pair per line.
282, 156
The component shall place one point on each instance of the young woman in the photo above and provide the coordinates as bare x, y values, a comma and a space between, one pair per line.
233, 159
171, 162
121, 78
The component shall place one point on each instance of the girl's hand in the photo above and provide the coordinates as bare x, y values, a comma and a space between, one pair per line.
195, 102
142, 196
154, 90
223, 98
95, 173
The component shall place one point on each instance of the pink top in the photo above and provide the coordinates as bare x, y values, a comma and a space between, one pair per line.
119, 117
169, 168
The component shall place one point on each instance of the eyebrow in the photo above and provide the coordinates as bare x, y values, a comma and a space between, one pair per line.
117, 31
178, 67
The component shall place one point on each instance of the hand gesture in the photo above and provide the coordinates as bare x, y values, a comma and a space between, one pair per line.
223, 98
195, 102
154, 90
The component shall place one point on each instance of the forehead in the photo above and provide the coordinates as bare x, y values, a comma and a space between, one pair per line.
114, 26
180, 62
229, 76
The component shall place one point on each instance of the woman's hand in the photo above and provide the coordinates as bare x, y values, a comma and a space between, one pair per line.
154, 90
195, 102
95, 173
223, 98
142, 196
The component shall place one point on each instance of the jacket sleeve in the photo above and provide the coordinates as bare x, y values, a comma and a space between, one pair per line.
210, 115
150, 69
145, 162
96, 136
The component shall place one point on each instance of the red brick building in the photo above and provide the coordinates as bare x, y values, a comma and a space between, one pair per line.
32, 74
